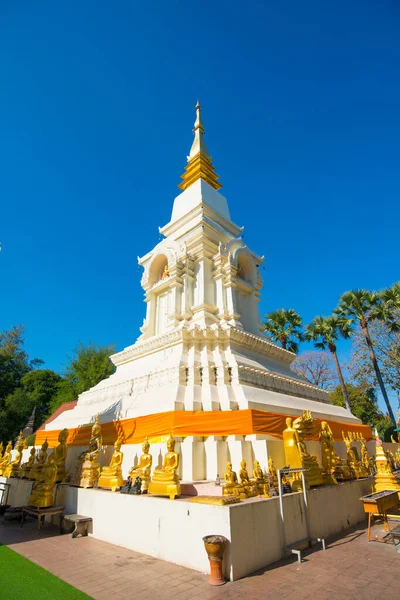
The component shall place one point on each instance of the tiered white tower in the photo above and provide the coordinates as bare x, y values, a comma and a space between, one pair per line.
201, 345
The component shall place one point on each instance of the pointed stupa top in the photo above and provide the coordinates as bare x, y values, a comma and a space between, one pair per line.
199, 161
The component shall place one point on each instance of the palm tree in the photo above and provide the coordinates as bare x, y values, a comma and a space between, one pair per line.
284, 326
324, 332
364, 306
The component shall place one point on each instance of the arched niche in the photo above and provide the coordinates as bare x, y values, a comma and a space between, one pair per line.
158, 269
245, 266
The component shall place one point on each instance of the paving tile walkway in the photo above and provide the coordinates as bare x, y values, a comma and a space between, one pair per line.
350, 568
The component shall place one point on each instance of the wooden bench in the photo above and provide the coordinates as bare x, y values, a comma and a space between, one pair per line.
40, 513
81, 524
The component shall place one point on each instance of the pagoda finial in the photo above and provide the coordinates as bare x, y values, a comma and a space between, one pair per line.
199, 161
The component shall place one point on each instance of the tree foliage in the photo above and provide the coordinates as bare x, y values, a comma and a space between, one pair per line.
316, 367
363, 404
284, 326
23, 386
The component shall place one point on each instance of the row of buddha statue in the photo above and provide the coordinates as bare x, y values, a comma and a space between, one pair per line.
164, 481
333, 468
245, 487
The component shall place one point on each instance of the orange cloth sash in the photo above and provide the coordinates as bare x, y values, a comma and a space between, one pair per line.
183, 423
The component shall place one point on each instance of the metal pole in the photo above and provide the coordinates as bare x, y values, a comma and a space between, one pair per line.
281, 508
303, 480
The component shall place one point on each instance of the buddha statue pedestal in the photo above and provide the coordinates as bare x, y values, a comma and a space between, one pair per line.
43, 488
111, 476
165, 481
90, 473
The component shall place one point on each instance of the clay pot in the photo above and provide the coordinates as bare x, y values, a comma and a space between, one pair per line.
215, 546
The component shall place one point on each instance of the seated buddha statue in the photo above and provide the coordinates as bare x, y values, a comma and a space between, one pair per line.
165, 480
250, 488
6, 458
60, 455
273, 472
232, 487
43, 488
12, 470
88, 464
26, 467
260, 480
111, 476
354, 463
40, 461
143, 469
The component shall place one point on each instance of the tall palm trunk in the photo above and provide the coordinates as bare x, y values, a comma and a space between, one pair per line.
365, 330
332, 349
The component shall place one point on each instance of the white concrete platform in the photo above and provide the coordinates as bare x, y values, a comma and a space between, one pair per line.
173, 530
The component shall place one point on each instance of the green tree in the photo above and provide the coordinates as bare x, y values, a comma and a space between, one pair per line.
36, 389
363, 403
324, 332
364, 306
284, 326
88, 366
14, 360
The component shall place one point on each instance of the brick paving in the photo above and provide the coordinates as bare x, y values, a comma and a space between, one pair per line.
350, 568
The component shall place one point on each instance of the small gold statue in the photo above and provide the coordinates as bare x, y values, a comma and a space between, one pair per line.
60, 455
328, 454
342, 471
26, 467
260, 481
43, 488
165, 273
12, 469
364, 454
6, 458
384, 478
232, 487
296, 455
88, 472
250, 487
353, 459
111, 476
273, 472
40, 461
143, 469
165, 480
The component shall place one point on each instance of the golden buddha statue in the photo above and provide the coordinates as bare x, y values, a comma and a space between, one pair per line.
165, 272
328, 454
60, 455
353, 460
165, 480
260, 480
273, 472
384, 478
364, 454
88, 471
296, 455
111, 476
250, 488
26, 467
6, 458
1, 451
40, 461
143, 469
12, 468
342, 471
232, 487
43, 488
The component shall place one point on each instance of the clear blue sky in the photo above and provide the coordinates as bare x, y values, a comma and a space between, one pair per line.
301, 107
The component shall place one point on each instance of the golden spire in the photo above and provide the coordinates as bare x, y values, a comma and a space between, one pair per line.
199, 161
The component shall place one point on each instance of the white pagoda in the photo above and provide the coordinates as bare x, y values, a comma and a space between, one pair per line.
202, 346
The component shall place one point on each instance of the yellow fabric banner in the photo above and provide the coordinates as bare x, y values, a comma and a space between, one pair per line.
183, 423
